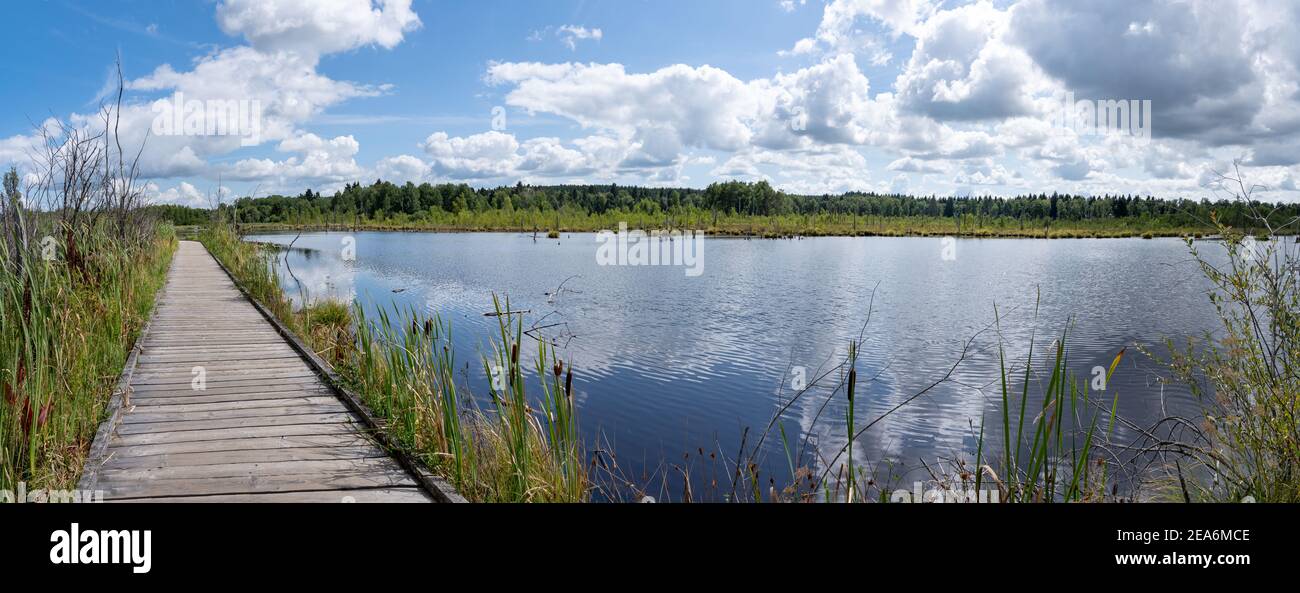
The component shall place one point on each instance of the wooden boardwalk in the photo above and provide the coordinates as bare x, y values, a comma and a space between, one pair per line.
264, 427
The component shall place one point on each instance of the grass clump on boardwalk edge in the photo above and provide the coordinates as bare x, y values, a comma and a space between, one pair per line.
520, 449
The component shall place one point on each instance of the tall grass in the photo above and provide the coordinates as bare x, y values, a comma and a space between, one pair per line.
403, 364
66, 329
1039, 464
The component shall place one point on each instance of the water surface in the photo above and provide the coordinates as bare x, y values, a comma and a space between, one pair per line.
668, 364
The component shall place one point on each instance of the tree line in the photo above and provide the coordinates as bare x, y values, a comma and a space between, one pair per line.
384, 200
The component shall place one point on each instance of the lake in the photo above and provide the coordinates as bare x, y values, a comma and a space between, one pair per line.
668, 364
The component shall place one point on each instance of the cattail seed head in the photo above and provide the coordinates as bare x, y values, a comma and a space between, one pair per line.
27, 300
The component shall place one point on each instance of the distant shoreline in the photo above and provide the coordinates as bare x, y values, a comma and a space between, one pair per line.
541, 233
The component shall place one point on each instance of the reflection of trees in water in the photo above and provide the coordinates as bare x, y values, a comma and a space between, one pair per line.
308, 254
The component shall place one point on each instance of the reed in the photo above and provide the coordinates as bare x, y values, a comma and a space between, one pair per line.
520, 448
1048, 451
67, 325
1039, 464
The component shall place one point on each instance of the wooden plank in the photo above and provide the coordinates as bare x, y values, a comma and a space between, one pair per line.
269, 378
236, 404
220, 348
238, 324
195, 346
233, 326
155, 373
227, 361
277, 455
216, 357
183, 394
184, 389
205, 336
233, 342
368, 463
151, 416
181, 436
249, 422
242, 444
159, 342
366, 495
248, 484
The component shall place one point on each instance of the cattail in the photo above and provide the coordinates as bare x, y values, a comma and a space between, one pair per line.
568, 384
26, 414
428, 326
558, 368
45, 414
853, 381
27, 299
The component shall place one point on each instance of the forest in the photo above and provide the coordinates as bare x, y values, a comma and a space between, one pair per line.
566, 206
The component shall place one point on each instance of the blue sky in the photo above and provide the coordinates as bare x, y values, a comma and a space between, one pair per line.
873, 95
